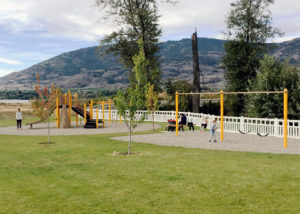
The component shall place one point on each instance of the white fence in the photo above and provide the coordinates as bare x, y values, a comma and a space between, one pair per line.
272, 127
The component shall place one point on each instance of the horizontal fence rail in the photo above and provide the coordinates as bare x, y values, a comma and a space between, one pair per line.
262, 126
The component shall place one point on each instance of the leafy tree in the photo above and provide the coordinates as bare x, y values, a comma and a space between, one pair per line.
185, 102
45, 104
249, 25
136, 19
140, 67
151, 101
274, 75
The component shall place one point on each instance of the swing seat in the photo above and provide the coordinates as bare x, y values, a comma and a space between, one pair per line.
261, 135
244, 132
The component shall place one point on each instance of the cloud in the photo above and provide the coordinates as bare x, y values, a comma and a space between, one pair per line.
68, 18
10, 61
79, 19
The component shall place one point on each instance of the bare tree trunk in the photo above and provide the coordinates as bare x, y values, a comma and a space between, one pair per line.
129, 146
153, 121
196, 81
48, 130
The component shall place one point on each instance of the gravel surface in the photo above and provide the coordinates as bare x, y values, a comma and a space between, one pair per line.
233, 142
41, 129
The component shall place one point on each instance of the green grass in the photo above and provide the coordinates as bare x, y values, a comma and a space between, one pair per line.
80, 174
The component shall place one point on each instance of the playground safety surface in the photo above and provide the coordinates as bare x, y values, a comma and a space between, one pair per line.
232, 142
41, 129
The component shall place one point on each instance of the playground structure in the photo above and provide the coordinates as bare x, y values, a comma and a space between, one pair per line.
221, 93
85, 109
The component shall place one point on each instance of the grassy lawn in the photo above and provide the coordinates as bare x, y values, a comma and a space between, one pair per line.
80, 174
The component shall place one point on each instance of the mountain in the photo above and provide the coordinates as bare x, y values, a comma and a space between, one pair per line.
84, 69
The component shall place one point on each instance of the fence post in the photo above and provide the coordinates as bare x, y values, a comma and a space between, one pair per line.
276, 127
242, 124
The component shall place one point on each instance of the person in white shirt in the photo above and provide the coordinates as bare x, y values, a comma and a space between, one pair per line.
19, 118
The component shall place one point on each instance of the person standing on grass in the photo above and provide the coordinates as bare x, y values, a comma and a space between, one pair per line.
213, 129
19, 118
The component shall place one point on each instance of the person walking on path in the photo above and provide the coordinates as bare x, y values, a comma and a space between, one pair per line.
19, 118
213, 129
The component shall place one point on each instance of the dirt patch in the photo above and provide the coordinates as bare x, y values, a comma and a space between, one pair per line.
125, 153
46, 143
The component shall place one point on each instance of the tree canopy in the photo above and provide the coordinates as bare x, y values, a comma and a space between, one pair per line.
136, 19
249, 25
275, 75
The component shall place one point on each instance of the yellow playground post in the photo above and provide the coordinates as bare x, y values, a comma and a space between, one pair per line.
97, 125
91, 109
285, 114
65, 99
109, 111
120, 119
76, 104
70, 107
57, 113
84, 113
103, 113
222, 114
176, 103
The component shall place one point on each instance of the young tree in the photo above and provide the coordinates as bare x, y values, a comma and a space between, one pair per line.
136, 19
45, 104
127, 104
249, 25
151, 101
274, 75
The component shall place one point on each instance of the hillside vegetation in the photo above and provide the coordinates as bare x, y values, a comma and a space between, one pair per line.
84, 69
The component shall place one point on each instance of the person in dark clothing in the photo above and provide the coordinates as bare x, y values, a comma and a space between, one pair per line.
182, 121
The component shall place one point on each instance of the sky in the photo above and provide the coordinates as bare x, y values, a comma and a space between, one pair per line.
35, 30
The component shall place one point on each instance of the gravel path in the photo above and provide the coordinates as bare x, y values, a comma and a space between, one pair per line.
234, 142
41, 129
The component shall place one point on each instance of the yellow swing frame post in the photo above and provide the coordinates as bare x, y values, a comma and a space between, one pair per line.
221, 93
76, 104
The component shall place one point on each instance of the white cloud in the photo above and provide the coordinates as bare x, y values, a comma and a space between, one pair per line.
10, 61
79, 19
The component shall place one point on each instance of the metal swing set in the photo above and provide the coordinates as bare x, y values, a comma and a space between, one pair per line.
222, 93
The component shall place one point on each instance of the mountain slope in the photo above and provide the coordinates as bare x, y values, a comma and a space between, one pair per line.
83, 69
